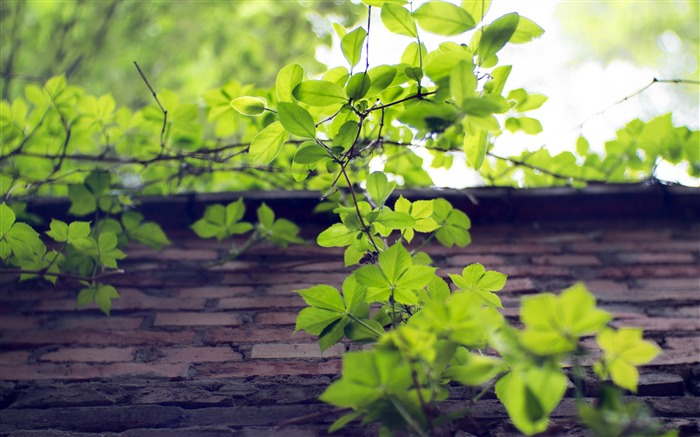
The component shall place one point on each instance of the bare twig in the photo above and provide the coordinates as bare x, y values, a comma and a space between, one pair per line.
165, 111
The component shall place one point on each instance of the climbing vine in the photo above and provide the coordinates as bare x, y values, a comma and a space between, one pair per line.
351, 133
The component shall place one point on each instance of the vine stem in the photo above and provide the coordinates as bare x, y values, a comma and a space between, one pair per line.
165, 111
407, 417
365, 228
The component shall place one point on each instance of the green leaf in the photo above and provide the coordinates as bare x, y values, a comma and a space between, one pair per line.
58, 230
268, 143
624, 350
249, 105
287, 79
476, 8
319, 93
475, 146
82, 201
394, 261
351, 45
324, 297
476, 370
443, 18
347, 134
266, 216
107, 246
477, 280
398, 19
358, 85
462, 81
338, 235
530, 394
395, 220
379, 188
582, 146
496, 35
86, 296
526, 31
380, 77
344, 419
98, 182
104, 294
314, 320
7, 219
356, 331
296, 120
24, 242
553, 324
310, 152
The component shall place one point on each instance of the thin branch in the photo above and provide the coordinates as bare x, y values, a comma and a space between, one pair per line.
165, 111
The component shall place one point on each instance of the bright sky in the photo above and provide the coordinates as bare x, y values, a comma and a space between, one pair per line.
544, 66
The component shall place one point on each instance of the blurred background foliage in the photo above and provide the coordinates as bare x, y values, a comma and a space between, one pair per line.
184, 46
663, 35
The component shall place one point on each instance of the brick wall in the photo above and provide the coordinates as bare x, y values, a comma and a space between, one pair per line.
190, 351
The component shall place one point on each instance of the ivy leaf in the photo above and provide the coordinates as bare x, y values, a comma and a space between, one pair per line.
148, 233
454, 224
624, 350
296, 120
287, 79
351, 45
530, 394
553, 324
314, 320
338, 235
104, 296
344, 420
83, 202
496, 35
398, 20
319, 93
476, 279
18, 238
476, 8
444, 18
310, 152
324, 297
248, 105
475, 369
107, 246
268, 143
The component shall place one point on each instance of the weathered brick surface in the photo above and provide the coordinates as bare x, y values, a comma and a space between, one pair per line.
191, 351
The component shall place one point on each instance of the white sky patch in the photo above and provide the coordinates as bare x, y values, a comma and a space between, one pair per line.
577, 92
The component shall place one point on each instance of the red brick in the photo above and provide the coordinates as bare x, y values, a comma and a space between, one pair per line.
315, 266
518, 285
267, 277
557, 237
567, 260
200, 355
276, 318
264, 302
214, 292
233, 266
655, 258
602, 286
512, 249
286, 350
289, 289
268, 368
642, 235
485, 260
665, 246
255, 335
75, 337
172, 254
652, 271
83, 371
81, 321
679, 350
90, 355
671, 284
661, 324
19, 322
196, 319
13, 358
533, 271
131, 299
